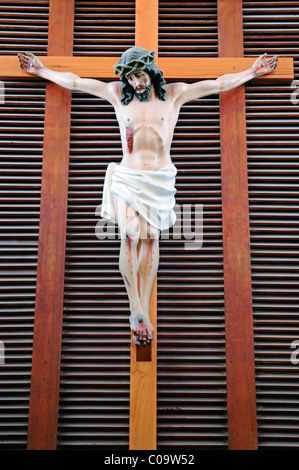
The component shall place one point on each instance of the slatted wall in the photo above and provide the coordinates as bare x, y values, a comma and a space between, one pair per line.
94, 403
104, 28
95, 366
188, 29
273, 162
94, 395
191, 342
21, 148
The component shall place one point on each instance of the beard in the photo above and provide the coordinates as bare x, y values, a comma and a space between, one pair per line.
144, 95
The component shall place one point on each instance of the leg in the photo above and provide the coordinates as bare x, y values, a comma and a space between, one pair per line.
128, 266
129, 224
148, 263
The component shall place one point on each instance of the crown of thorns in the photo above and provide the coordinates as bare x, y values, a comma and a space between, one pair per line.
136, 64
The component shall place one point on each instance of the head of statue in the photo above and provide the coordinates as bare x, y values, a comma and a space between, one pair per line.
135, 65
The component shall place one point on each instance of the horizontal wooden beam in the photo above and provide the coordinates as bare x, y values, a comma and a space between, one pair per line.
181, 68
211, 68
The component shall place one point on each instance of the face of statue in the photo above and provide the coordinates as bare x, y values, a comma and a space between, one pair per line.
141, 82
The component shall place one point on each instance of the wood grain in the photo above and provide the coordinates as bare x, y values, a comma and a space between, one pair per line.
143, 390
180, 68
146, 24
143, 384
50, 274
240, 370
45, 376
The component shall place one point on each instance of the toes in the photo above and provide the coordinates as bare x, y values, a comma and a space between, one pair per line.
142, 334
136, 340
138, 336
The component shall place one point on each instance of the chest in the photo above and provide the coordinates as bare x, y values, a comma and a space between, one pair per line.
153, 113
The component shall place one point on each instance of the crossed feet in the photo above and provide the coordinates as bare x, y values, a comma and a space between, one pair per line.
142, 329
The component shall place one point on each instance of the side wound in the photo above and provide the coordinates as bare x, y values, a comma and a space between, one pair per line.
129, 138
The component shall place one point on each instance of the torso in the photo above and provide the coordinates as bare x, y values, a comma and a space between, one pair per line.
146, 130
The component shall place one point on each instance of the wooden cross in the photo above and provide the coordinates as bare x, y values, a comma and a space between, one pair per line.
44, 397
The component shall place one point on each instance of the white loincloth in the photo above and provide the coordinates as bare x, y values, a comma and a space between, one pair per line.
150, 193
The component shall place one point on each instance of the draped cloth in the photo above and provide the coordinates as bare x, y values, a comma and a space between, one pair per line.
150, 193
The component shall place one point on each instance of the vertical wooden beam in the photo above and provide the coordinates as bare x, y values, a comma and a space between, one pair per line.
146, 24
143, 389
143, 383
45, 375
241, 394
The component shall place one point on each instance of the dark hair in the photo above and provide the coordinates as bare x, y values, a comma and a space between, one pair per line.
153, 71
157, 79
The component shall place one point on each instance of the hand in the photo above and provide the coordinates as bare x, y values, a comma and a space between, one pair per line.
262, 66
30, 63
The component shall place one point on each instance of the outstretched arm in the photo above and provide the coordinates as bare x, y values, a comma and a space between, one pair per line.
188, 92
31, 64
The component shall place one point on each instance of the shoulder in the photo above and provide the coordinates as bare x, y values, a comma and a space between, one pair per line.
176, 89
115, 88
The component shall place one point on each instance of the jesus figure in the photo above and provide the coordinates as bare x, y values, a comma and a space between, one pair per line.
139, 193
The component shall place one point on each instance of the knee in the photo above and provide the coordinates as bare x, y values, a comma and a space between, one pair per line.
153, 234
130, 233
148, 232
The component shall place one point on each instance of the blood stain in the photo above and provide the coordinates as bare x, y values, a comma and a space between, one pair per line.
129, 138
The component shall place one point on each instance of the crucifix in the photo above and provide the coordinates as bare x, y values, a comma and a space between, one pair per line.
225, 75
139, 192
